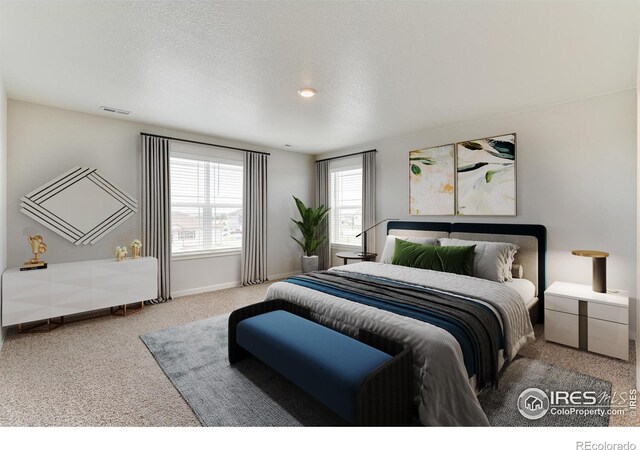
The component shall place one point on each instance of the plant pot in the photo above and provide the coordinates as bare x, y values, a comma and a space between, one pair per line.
309, 263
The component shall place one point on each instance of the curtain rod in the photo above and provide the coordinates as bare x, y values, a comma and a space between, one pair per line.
204, 143
346, 156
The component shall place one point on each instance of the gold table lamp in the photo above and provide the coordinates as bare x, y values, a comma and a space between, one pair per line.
599, 281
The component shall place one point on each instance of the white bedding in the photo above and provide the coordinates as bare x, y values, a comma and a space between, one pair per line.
443, 392
525, 288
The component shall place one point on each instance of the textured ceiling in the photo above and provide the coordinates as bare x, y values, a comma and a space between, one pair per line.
381, 69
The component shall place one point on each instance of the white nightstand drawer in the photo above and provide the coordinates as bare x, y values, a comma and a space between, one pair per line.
562, 304
611, 313
608, 338
561, 327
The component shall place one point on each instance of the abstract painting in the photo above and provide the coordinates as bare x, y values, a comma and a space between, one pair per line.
486, 176
431, 181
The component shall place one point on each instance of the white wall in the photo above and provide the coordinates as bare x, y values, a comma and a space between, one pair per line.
3, 187
576, 174
638, 217
638, 230
44, 142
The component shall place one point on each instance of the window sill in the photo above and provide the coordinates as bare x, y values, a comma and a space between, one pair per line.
345, 247
203, 255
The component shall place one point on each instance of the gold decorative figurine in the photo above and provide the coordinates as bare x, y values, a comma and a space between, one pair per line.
121, 253
37, 248
136, 245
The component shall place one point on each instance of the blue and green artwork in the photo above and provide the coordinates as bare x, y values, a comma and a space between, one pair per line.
486, 176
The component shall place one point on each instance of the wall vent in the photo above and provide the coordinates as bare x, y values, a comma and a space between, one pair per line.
115, 110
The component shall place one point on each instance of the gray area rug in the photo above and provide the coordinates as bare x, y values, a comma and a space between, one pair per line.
194, 358
522, 373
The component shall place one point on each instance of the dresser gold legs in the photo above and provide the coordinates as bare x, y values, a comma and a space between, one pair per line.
44, 327
51, 324
123, 311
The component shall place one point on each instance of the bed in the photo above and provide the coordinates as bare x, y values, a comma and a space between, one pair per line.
462, 329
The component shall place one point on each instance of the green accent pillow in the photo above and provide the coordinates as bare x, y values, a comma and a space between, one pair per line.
412, 254
453, 259
457, 259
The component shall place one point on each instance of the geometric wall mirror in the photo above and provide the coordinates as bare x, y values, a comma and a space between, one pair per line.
80, 205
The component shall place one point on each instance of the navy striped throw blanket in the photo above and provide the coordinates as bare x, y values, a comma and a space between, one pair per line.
472, 323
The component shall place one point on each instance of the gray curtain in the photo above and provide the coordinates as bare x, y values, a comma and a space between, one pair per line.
369, 197
254, 219
156, 210
322, 198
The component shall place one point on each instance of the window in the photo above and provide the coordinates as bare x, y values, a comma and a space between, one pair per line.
206, 205
345, 217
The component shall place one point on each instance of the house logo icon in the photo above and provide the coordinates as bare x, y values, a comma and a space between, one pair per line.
533, 403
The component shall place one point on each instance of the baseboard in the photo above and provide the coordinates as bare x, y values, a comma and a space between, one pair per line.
280, 276
233, 284
203, 289
3, 334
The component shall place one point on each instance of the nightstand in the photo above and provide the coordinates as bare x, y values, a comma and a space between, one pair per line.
576, 316
346, 256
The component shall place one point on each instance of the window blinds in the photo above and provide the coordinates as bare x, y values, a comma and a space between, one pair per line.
206, 205
346, 205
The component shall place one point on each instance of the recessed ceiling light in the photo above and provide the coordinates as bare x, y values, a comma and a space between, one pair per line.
115, 110
307, 92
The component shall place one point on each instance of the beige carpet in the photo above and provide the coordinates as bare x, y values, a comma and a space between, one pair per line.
98, 372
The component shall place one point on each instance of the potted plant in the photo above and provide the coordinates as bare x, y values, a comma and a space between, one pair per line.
311, 220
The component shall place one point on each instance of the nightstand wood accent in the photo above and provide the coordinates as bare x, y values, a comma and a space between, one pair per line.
561, 327
561, 304
610, 313
608, 338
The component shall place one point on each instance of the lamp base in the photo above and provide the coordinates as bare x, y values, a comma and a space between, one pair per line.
599, 283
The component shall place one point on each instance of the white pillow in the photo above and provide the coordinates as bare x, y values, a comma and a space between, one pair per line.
493, 260
390, 245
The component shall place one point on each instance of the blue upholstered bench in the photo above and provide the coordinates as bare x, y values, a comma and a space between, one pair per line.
366, 381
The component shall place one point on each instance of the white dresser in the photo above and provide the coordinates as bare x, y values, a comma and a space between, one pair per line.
71, 288
577, 316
